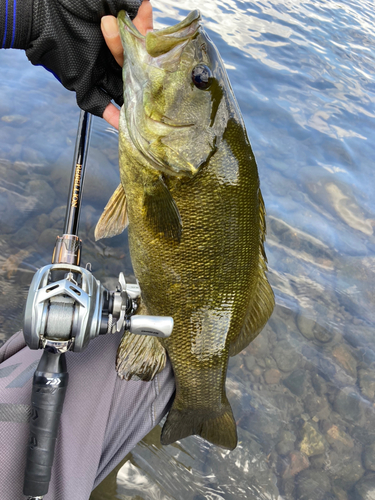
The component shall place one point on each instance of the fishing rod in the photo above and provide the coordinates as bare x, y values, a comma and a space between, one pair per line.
66, 308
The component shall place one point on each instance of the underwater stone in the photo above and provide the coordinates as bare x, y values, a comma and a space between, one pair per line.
312, 442
347, 475
345, 359
47, 239
339, 439
272, 376
43, 193
298, 462
348, 405
311, 330
250, 361
259, 346
319, 384
287, 359
312, 485
295, 382
317, 405
24, 237
365, 488
286, 443
366, 380
369, 457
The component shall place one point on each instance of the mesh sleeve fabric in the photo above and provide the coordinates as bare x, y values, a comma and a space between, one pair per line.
65, 37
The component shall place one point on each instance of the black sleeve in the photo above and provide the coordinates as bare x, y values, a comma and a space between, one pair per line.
65, 37
15, 23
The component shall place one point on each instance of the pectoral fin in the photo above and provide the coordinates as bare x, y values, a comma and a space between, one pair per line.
114, 219
162, 212
139, 357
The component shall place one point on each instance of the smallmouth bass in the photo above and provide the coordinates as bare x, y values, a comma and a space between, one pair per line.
190, 193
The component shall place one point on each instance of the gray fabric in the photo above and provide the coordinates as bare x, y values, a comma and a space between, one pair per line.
103, 418
24, 376
14, 413
5, 372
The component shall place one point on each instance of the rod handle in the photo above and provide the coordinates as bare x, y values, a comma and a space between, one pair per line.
47, 400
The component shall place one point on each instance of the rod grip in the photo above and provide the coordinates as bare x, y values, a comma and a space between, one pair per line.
47, 400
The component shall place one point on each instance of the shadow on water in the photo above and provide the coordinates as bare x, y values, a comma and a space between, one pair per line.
303, 392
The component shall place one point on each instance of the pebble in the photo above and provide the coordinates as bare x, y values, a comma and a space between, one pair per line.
311, 330
348, 405
249, 361
297, 462
338, 439
348, 474
319, 384
366, 381
272, 376
313, 442
345, 359
286, 443
287, 359
43, 193
312, 485
25, 237
47, 239
365, 488
369, 457
295, 382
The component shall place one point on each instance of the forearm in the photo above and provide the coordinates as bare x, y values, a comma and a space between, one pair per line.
15, 23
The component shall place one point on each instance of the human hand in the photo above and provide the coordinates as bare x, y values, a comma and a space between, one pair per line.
65, 37
143, 22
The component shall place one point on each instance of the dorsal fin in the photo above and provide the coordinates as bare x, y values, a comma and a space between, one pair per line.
262, 302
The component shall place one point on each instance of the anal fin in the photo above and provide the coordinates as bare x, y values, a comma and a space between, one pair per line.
114, 218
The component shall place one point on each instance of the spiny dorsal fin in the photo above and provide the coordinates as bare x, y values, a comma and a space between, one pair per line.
114, 218
263, 301
162, 212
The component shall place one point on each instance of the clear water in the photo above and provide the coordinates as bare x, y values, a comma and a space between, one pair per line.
303, 392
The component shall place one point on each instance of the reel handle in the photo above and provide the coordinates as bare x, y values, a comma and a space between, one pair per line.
48, 393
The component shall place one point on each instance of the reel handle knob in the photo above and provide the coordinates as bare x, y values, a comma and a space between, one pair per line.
156, 326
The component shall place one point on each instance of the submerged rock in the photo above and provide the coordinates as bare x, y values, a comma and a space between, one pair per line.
312, 485
365, 488
295, 382
369, 457
313, 443
348, 405
287, 359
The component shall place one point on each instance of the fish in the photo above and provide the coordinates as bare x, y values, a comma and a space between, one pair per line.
190, 196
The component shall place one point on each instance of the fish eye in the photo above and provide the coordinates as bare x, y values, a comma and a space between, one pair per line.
202, 76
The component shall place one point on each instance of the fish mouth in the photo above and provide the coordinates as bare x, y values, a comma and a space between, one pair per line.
159, 42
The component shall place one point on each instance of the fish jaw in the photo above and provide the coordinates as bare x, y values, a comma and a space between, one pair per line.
175, 125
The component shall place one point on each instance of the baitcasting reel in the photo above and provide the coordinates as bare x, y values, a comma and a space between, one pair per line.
67, 313
66, 308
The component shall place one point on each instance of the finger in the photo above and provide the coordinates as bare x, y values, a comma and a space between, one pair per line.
143, 21
112, 115
112, 38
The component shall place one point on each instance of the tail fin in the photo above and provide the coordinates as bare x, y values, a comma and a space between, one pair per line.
217, 427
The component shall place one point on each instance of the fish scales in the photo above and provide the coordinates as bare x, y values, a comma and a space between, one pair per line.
196, 223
